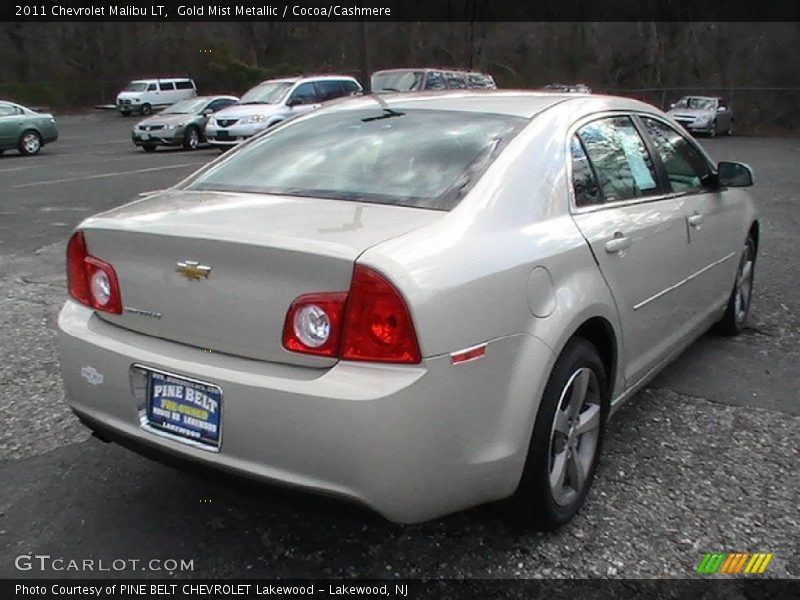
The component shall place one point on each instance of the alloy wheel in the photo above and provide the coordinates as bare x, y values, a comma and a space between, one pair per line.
574, 436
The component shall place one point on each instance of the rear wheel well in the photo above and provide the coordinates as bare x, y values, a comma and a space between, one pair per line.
600, 334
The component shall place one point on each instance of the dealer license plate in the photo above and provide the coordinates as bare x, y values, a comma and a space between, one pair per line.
185, 408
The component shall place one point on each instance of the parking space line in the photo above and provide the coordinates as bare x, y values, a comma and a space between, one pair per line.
105, 175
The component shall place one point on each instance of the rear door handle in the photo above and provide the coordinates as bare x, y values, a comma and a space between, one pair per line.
618, 244
696, 220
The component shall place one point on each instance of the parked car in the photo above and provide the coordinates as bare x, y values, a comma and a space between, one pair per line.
145, 95
413, 80
703, 114
24, 129
576, 88
273, 101
418, 302
182, 124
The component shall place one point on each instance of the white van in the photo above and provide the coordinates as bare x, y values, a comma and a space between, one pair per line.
143, 95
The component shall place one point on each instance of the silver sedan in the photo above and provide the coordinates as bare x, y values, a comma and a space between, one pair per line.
421, 303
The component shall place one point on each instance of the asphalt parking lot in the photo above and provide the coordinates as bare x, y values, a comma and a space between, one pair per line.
705, 459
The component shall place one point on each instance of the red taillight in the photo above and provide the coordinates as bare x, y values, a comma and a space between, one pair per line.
90, 280
369, 323
377, 324
77, 281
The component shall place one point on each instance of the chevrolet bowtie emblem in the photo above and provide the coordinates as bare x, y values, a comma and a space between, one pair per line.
193, 270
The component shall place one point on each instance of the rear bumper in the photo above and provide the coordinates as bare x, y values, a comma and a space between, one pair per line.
411, 442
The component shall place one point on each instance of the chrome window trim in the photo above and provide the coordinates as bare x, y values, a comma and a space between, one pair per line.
574, 209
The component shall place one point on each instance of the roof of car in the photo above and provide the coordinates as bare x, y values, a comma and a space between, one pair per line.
305, 78
446, 69
212, 97
518, 103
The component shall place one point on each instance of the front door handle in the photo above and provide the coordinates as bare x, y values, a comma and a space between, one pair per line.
696, 220
618, 244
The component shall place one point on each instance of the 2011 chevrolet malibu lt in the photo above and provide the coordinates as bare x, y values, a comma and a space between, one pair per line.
418, 302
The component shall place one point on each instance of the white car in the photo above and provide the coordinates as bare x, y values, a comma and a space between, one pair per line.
144, 95
273, 101
422, 303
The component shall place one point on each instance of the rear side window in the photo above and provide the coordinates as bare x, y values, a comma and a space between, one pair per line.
584, 182
166, 86
418, 158
350, 87
620, 159
328, 90
7, 110
686, 168
184, 85
479, 80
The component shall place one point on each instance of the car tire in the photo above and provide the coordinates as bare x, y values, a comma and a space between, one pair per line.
734, 321
713, 131
146, 109
149, 147
730, 129
191, 138
30, 142
562, 460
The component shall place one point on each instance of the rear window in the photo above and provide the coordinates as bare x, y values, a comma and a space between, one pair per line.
418, 158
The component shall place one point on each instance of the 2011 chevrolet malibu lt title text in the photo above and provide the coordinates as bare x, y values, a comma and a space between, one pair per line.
418, 302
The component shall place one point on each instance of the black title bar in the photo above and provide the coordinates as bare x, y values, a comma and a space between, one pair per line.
399, 10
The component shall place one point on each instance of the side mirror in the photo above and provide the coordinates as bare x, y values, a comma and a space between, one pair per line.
207, 111
733, 174
293, 102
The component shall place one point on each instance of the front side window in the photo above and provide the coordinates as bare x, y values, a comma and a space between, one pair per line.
435, 81
305, 93
620, 159
151, 87
6, 110
686, 167
418, 158
220, 103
